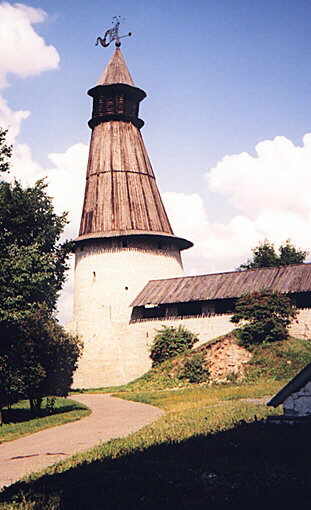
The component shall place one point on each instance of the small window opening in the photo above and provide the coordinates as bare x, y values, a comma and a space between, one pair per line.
124, 243
82, 248
94, 275
126, 288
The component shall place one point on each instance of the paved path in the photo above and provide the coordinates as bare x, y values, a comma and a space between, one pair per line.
111, 418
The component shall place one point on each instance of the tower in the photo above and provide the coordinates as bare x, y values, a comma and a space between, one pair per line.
125, 237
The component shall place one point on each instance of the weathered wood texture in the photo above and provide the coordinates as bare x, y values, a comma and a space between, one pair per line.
121, 192
121, 195
116, 71
286, 279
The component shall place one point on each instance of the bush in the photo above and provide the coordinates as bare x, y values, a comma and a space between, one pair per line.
194, 369
265, 317
170, 341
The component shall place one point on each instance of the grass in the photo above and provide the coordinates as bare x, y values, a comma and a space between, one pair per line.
211, 449
199, 451
22, 423
200, 396
277, 361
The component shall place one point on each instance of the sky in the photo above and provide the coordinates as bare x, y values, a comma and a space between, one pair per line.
227, 114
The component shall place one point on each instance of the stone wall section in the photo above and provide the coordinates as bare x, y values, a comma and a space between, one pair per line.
107, 279
299, 403
301, 328
118, 352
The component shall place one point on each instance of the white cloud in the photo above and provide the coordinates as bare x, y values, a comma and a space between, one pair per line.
217, 246
11, 120
22, 51
273, 179
271, 193
66, 183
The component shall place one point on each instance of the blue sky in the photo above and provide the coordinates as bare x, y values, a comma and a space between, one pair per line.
221, 77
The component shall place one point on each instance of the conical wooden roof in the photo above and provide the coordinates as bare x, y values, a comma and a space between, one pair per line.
116, 71
121, 194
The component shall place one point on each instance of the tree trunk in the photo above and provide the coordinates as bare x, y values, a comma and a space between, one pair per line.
35, 406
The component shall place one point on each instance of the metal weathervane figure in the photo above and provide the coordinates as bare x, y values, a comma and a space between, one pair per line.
112, 34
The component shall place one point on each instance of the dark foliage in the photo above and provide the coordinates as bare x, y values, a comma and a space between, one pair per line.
265, 255
5, 151
33, 262
38, 358
194, 369
265, 317
169, 342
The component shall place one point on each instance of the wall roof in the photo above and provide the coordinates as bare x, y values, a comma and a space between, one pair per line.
285, 279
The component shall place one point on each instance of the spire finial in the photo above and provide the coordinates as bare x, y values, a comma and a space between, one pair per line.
112, 34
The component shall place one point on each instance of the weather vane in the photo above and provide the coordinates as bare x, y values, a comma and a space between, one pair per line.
112, 34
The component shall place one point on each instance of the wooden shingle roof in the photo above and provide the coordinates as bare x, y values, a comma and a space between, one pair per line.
116, 71
121, 194
284, 279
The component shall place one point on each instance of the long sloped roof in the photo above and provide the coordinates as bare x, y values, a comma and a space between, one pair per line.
292, 386
284, 279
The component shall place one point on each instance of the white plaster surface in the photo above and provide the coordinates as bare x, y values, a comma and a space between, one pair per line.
107, 279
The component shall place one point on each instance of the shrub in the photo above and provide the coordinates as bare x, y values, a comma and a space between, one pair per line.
265, 317
170, 341
194, 369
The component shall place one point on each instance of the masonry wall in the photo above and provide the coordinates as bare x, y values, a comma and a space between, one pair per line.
299, 403
107, 279
120, 352
302, 327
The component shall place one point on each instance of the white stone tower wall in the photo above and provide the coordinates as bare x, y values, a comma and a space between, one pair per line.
107, 279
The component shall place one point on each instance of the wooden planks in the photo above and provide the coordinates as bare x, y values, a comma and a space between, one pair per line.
121, 191
116, 71
285, 279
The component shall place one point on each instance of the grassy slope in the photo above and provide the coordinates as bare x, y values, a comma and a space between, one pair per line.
162, 462
22, 423
278, 361
207, 451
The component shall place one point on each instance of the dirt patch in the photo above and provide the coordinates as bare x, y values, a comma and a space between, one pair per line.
226, 359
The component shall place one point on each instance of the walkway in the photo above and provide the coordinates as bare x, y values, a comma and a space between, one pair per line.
111, 418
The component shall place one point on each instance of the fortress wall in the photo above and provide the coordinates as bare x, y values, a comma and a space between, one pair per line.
302, 328
120, 353
206, 328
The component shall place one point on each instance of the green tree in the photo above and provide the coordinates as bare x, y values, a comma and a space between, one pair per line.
170, 341
264, 317
265, 255
36, 355
5, 151
33, 261
38, 359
